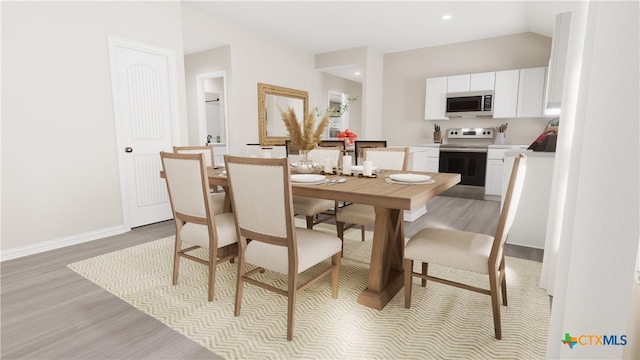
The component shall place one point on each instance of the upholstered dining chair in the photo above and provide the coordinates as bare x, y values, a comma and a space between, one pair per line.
216, 196
360, 145
312, 208
259, 187
195, 222
469, 251
365, 215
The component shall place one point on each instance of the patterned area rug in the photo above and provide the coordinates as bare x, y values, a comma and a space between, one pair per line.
443, 322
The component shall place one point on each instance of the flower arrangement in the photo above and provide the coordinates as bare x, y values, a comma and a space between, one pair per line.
305, 137
348, 136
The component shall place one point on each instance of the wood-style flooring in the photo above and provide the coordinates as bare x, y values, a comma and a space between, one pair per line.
50, 312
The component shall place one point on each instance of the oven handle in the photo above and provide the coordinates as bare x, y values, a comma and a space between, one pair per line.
467, 150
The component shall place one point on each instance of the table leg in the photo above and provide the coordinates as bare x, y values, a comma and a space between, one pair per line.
385, 273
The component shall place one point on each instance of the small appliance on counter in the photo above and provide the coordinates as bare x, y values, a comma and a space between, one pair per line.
547, 140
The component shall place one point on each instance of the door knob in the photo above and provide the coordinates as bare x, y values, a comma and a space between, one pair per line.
128, 149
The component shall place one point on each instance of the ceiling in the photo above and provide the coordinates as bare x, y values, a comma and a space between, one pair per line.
387, 26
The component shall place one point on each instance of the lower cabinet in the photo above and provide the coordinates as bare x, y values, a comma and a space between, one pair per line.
494, 180
530, 224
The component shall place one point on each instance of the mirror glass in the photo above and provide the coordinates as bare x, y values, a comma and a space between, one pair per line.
271, 99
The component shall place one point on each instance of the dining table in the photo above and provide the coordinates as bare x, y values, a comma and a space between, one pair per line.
389, 200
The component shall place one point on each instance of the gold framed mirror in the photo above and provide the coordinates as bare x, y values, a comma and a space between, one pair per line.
271, 99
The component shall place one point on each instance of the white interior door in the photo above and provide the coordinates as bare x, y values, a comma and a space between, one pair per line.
144, 107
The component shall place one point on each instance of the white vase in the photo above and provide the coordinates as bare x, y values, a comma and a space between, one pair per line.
500, 138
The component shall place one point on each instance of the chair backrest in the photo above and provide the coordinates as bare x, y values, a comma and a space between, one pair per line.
260, 186
188, 186
320, 155
359, 145
206, 150
291, 149
511, 202
388, 158
333, 143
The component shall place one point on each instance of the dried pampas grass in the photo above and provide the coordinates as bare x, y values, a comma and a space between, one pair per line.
304, 138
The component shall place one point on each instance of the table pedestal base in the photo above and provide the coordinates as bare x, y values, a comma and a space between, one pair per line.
378, 299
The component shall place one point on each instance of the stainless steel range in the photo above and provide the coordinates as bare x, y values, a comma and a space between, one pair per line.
465, 153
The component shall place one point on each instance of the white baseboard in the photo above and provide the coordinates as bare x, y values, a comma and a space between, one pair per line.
61, 242
413, 215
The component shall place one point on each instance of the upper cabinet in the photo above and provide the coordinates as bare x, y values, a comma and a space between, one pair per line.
482, 81
557, 63
471, 82
517, 93
506, 93
531, 92
435, 99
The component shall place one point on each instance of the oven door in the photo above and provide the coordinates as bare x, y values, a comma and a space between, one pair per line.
471, 165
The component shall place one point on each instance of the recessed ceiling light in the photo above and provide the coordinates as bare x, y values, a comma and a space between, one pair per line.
357, 73
446, 17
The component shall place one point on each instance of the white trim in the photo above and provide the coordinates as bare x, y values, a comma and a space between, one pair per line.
61, 242
413, 215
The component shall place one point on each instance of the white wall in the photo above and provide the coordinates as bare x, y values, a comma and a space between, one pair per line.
600, 227
60, 178
404, 84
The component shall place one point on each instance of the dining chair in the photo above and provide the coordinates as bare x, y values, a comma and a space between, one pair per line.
218, 199
333, 143
360, 145
259, 187
196, 224
396, 158
312, 208
468, 251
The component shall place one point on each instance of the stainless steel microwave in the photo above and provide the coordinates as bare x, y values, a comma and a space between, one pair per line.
470, 103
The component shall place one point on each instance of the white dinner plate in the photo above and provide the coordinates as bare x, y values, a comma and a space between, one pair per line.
307, 178
410, 178
360, 168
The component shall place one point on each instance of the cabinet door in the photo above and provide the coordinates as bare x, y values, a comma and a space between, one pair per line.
458, 83
531, 92
493, 183
505, 94
435, 99
555, 73
482, 81
432, 164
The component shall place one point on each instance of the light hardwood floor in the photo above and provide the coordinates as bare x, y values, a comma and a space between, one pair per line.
50, 312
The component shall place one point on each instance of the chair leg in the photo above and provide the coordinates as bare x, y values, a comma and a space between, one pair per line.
291, 303
239, 284
362, 231
425, 268
176, 258
213, 256
503, 284
335, 275
495, 303
340, 229
309, 222
408, 275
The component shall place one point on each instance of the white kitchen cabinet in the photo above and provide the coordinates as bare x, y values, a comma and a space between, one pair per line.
471, 82
495, 170
417, 159
482, 81
557, 63
530, 224
458, 83
433, 159
505, 94
435, 99
531, 92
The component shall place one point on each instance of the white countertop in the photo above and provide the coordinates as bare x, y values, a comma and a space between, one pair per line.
530, 153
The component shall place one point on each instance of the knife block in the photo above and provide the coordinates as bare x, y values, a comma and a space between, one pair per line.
437, 137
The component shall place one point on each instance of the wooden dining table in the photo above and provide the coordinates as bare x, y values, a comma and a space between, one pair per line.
389, 200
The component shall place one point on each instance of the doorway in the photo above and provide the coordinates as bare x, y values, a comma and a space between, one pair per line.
213, 127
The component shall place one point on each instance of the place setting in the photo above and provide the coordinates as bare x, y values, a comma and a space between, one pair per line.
409, 179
